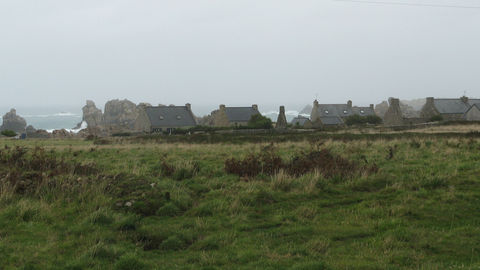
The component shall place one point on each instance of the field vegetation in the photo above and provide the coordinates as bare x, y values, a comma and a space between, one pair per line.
285, 201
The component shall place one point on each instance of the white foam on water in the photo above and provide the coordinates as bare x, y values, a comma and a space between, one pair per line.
83, 125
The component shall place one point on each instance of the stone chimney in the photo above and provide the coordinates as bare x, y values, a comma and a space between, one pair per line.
372, 106
282, 119
314, 115
464, 99
393, 116
430, 100
189, 106
222, 107
394, 102
349, 104
255, 107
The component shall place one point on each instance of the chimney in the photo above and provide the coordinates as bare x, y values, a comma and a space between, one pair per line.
189, 106
394, 102
315, 103
371, 106
255, 107
349, 104
464, 99
429, 100
222, 107
282, 109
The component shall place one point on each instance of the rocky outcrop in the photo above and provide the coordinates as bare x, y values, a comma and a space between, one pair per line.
92, 115
306, 110
62, 133
120, 115
39, 133
14, 122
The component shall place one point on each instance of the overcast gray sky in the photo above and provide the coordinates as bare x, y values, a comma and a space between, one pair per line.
235, 52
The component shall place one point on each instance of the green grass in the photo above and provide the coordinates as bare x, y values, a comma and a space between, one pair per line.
121, 211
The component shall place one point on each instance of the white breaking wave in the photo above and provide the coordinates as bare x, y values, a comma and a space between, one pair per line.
83, 125
290, 113
60, 114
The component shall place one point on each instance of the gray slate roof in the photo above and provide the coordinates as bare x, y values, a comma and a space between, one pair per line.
240, 114
331, 120
170, 116
343, 110
301, 120
453, 105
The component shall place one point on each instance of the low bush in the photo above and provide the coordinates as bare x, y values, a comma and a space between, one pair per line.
9, 133
258, 121
362, 120
270, 163
436, 118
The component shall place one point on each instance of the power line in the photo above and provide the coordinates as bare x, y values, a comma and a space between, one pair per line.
407, 4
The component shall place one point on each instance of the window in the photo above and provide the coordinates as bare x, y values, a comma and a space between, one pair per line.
362, 111
179, 117
326, 111
161, 117
345, 112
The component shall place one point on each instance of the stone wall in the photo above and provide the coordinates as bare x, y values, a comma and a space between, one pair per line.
282, 119
393, 115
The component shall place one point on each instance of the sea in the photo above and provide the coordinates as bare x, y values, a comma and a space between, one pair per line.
69, 117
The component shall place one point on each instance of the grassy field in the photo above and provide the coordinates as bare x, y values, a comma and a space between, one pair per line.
168, 203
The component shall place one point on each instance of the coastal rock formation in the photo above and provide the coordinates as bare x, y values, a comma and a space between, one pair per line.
307, 110
39, 133
62, 133
120, 115
92, 115
14, 122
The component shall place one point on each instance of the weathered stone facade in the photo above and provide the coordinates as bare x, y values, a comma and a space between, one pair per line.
473, 114
451, 109
165, 118
282, 119
233, 116
393, 115
335, 114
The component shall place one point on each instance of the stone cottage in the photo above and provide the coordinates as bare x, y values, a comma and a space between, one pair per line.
451, 108
301, 122
233, 116
395, 116
160, 119
335, 114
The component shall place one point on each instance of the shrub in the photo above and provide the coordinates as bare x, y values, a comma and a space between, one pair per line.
180, 170
436, 118
361, 120
258, 121
169, 209
269, 163
9, 133
129, 262
173, 243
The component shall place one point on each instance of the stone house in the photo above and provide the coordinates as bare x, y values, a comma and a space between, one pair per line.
301, 121
165, 118
233, 116
473, 114
335, 114
394, 116
450, 108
